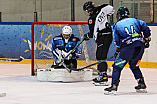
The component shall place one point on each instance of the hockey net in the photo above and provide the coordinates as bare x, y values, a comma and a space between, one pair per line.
42, 35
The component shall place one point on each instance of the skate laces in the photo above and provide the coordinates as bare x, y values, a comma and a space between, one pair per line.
102, 75
99, 77
141, 84
113, 87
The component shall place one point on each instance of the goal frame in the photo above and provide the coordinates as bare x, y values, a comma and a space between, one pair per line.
32, 37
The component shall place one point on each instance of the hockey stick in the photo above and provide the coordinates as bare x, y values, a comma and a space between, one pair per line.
93, 64
67, 55
18, 60
69, 70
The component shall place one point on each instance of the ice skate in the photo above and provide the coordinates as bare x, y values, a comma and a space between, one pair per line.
111, 90
141, 87
101, 80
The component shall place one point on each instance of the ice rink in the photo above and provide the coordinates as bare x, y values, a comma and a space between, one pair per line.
21, 88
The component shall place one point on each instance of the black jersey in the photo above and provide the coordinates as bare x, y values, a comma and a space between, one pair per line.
98, 20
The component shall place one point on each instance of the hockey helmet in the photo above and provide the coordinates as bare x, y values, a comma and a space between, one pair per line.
66, 31
122, 12
88, 6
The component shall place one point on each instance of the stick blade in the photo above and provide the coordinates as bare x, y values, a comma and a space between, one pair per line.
69, 70
21, 58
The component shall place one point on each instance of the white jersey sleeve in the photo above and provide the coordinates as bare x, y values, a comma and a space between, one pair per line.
109, 10
101, 19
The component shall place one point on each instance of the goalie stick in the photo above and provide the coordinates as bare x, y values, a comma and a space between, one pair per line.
93, 64
18, 60
67, 56
69, 70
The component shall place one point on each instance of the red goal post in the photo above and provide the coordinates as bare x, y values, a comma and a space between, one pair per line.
42, 32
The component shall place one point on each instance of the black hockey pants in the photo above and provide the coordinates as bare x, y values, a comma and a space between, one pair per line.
103, 45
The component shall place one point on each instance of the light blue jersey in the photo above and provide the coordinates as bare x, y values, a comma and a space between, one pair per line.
128, 31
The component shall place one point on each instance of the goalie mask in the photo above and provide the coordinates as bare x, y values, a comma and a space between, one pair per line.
66, 33
122, 13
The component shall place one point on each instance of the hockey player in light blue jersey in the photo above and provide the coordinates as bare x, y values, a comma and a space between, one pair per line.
62, 44
130, 48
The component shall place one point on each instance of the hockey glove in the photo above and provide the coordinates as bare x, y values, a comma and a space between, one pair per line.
87, 36
64, 54
146, 43
117, 52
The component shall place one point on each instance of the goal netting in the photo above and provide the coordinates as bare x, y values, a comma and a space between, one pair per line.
42, 35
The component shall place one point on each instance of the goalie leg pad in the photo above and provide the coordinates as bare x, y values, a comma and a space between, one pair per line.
63, 75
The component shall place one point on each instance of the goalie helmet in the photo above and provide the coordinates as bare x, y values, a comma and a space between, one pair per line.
88, 6
66, 32
122, 12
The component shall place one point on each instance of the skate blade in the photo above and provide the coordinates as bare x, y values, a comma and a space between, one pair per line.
110, 93
141, 90
101, 84
2, 94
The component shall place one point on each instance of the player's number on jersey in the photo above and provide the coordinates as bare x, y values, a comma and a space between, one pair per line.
132, 30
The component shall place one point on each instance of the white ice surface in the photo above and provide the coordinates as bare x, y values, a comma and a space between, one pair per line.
25, 89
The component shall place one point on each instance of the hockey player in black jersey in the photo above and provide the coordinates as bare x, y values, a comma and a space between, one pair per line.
101, 31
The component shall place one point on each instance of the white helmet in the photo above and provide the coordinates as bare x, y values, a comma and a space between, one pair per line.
66, 30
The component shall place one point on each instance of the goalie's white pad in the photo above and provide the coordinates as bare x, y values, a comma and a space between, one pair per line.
63, 75
58, 55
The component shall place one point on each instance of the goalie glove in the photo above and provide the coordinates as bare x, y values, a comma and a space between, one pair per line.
87, 36
146, 43
64, 54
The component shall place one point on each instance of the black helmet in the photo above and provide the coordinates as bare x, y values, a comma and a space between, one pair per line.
88, 6
123, 12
